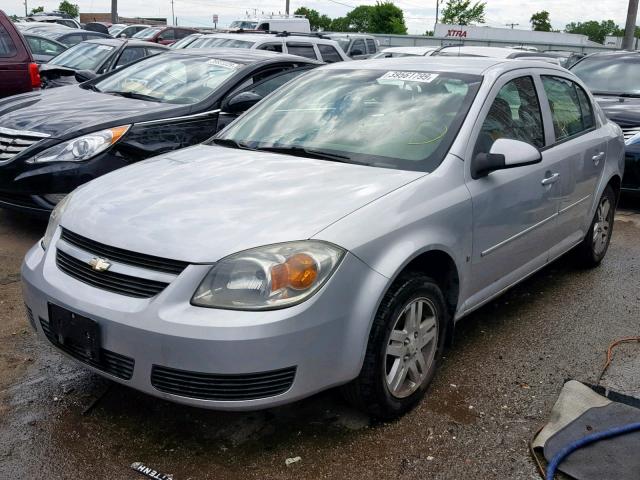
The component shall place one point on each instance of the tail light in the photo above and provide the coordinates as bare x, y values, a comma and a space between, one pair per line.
34, 73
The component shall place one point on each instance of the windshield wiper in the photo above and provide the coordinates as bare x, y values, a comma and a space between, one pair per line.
137, 96
307, 152
228, 142
90, 86
617, 94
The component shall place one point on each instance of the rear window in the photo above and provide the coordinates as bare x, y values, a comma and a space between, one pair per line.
371, 45
7, 47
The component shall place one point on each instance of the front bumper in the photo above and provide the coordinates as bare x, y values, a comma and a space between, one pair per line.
323, 339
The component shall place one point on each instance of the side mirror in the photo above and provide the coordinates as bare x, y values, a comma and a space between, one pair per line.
241, 102
505, 153
123, 35
84, 75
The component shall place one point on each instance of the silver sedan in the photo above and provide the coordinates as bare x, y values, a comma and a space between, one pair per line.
332, 236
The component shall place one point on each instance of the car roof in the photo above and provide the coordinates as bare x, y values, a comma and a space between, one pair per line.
242, 56
116, 42
465, 65
496, 52
422, 49
268, 37
617, 54
348, 35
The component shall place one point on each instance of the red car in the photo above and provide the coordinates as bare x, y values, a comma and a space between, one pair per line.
164, 35
18, 71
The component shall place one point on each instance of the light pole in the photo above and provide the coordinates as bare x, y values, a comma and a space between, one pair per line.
437, 12
286, 9
114, 11
630, 27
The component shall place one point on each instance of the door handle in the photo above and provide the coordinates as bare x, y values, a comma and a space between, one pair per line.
550, 180
596, 158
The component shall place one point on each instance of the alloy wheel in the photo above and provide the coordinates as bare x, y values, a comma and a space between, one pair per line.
602, 226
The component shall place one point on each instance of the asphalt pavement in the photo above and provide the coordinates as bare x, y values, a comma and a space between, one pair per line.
496, 387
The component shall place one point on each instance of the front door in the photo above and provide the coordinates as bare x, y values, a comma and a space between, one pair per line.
514, 210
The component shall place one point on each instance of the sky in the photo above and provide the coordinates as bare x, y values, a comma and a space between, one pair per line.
419, 14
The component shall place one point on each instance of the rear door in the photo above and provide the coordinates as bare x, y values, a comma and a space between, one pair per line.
580, 148
15, 58
358, 49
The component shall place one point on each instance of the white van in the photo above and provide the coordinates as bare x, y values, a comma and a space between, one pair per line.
273, 23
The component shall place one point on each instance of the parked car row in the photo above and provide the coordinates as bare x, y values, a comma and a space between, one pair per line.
235, 228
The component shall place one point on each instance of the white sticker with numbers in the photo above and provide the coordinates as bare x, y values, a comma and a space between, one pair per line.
410, 76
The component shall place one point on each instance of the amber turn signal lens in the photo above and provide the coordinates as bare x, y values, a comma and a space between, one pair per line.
118, 132
298, 272
303, 271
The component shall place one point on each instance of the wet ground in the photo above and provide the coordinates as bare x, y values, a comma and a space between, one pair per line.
495, 389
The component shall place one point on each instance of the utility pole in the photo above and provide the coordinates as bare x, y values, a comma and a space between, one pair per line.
628, 42
437, 13
511, 25
173, 15
114, 11
286, 10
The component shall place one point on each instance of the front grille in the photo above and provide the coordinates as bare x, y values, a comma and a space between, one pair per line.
124, 256
210, 386
629, 132
111, 281
110, 362
13, 142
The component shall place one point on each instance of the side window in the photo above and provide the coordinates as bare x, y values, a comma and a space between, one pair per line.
301, 49
514, 114
265, 87
371, 45
566, 110
168, 34
182, 33
129, 55
7, 47
588, 119
71, 40
329, 53
264, 27
357, 47
271, 47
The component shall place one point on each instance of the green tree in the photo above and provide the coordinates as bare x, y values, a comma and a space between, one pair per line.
36, 10
463, 12
540, 21
69, 8
340, 24
596, 31
360, 18
385, 17
317, 21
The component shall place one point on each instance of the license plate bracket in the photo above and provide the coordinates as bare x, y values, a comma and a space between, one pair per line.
75, 331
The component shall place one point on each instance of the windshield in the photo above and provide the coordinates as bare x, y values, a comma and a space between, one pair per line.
170, 78
83, 56
394, 119
609, 75
116, 29
343, 42
211, 42
244, 24
147, 33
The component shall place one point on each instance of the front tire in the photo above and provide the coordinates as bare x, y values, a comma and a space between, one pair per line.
593, 248
405, 345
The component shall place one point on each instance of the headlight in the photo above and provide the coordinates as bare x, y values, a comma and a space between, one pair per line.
274, 276
54, 221
81, 148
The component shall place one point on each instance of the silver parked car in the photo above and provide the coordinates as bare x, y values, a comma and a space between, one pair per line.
333, 235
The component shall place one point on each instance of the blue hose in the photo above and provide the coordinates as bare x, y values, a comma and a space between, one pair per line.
584, 441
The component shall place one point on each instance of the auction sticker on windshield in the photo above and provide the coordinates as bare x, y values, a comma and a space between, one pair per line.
222, 63
412, 76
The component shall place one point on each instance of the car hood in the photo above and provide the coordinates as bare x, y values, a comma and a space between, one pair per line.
621, 110
203, 203
73, 110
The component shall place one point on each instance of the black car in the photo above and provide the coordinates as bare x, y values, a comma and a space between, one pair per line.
614, 80
52, 141
87, 60
68, 36
42, 48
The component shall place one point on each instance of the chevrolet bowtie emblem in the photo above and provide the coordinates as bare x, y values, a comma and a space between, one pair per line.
99, 264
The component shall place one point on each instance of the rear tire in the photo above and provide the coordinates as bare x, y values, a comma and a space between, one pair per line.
593, 248
405, 345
